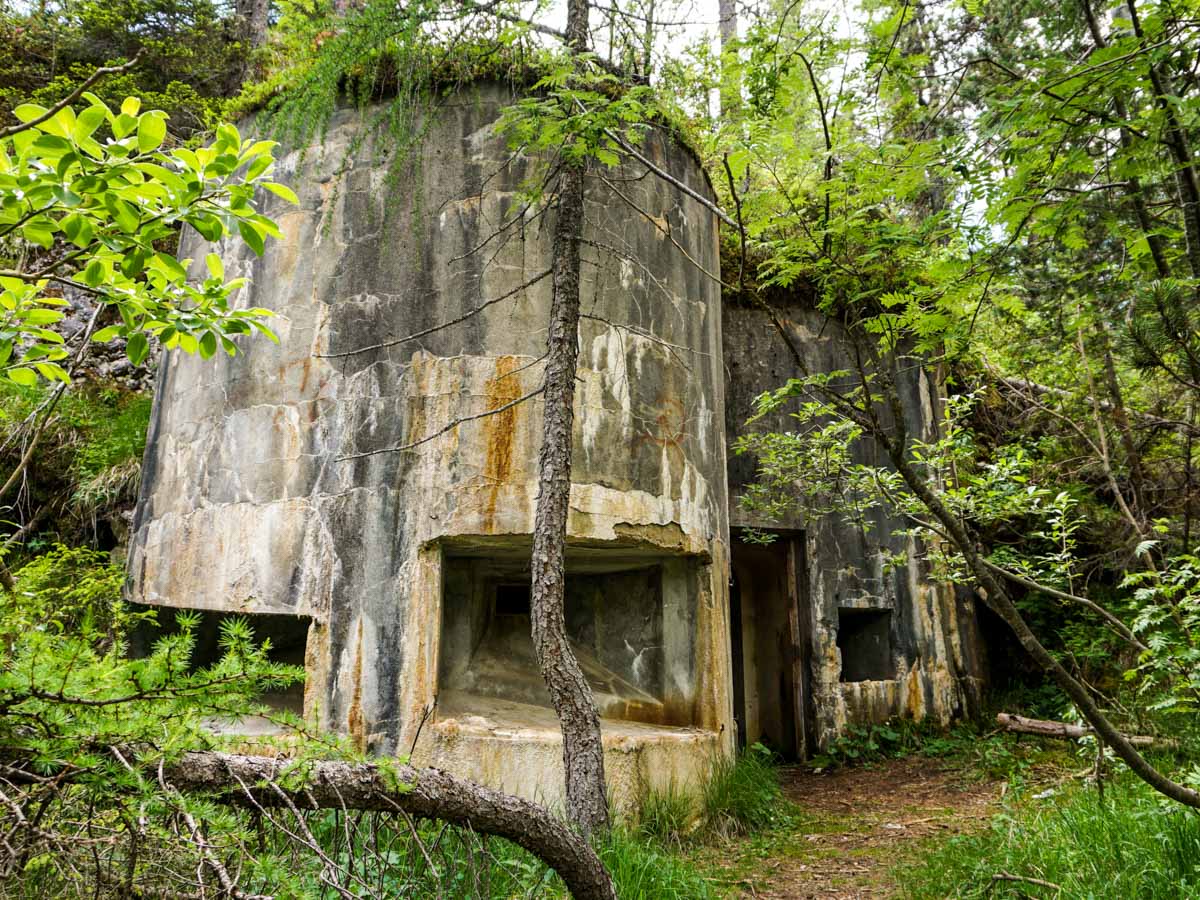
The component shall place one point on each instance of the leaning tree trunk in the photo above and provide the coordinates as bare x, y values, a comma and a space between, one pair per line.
583, 752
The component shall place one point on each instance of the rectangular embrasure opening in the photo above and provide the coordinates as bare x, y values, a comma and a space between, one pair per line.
864, 639
614, 606
288, 636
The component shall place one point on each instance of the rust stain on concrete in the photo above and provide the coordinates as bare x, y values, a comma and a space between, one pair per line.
499, 433
355, 721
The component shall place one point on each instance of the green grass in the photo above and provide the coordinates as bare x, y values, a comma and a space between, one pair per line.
1131, 844
667, 816
742, 795
644, 869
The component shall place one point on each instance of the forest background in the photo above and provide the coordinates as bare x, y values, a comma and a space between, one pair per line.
1005, 193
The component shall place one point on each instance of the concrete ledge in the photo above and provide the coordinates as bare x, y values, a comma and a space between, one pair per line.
517, 747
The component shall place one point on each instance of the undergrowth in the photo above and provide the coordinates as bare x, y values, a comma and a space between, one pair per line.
1129, 844
742, 794
89, 457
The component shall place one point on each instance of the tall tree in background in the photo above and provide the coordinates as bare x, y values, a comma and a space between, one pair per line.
1007, 188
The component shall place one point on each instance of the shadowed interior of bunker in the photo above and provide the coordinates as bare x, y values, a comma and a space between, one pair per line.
630, 616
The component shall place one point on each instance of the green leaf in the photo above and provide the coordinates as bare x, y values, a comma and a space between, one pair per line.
208, 345
87, 122
130, 106
104, 335
95, 273
53, 372
123, 213
216, 268
27, 112
152, 129
137, 348
24, 377
41, 316
253, 238
282, 190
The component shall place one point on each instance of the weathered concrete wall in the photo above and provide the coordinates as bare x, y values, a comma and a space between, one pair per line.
932, 632
250, 501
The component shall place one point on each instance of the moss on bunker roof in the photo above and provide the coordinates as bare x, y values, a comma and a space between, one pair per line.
381, 76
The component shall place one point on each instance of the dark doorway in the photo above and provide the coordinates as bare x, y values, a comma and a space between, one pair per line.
770, 640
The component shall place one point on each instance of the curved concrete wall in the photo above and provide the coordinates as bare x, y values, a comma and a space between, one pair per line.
254, 498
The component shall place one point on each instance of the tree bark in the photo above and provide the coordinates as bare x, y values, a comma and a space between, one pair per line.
583, 750
423, 793
731, 85
254, 15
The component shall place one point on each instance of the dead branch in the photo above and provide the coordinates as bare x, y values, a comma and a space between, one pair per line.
1064, 731
1006, 876
70, 98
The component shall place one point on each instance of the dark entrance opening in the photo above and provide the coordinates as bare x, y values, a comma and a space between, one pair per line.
628, 617
771, 631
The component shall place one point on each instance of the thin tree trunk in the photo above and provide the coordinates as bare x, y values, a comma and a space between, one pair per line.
997, 597
583, 750
1133, 456
731, 87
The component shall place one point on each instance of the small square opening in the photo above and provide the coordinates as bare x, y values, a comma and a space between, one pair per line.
512, 600
864, 639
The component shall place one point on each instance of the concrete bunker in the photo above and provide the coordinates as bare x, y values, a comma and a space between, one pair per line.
375, 476
273, 483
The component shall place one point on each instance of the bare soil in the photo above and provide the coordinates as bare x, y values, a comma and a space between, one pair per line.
855, 825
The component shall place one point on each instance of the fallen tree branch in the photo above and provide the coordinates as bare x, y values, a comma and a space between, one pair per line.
258, 782
422, 793
1064, 731
1007, 876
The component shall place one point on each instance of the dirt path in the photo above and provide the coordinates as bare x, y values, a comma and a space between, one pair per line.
856, 824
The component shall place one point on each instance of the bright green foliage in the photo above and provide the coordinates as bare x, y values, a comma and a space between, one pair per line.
1167, 618
115, 201
68, 590
63, 647
90, 455
1125, 845
70, 694
190, 55
579, 119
